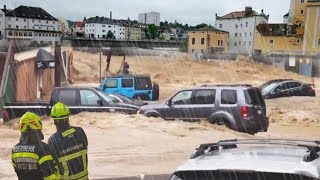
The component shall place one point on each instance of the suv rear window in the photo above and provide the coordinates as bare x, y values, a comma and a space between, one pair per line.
254, 97
229, 97
143, 83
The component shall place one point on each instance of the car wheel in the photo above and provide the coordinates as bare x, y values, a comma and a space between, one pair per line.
156, 91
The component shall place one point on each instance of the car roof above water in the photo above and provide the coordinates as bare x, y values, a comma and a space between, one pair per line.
128, 76
221, 86
258, 158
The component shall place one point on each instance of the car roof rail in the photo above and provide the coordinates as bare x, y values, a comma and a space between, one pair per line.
222, 85
312, 154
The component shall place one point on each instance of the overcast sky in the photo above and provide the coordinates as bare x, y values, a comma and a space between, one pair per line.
184, 11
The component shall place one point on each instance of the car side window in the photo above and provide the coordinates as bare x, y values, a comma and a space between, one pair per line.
281, 87
229, 97
112, 83
127, 83
204, 97
183, 97
68, 97
89, 98
294, 84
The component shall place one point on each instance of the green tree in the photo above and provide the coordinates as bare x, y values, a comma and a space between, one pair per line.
110, 35
151, 32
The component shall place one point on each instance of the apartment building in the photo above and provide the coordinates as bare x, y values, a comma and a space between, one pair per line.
300, 33
241, 27
30, 24
207, 41
98, 27
149, 18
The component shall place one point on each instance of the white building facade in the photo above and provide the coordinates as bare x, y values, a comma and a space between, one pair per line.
241, 26
98, 27
2, 24
149, 18
27, 27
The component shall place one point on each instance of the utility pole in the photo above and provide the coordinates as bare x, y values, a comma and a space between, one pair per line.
100, 66
57, 67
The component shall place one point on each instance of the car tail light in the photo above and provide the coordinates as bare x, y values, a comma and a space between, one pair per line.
312, 87
5, 116
244, 112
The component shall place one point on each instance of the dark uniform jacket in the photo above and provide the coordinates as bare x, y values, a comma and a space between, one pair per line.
32, 159
69, 147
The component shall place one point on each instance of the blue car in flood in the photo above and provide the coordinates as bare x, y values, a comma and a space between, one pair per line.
132, 86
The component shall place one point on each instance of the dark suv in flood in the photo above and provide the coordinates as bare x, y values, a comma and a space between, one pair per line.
239, 107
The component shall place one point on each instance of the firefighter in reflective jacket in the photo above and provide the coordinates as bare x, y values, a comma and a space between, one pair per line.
32, 158
69, 145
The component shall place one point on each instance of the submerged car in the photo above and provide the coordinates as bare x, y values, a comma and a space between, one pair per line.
267, 159
286, 88
239, 107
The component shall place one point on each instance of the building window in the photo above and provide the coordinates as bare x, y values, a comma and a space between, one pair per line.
249, 43
25, 34
240, 34
202, 41
25, 27
17, 26
235, 44
103, 30
30, 33
39, 21
1, 15
9, 26
236, 34
202, 50
17, 19
109, 26
20, 34
54, 22
318, 42
245, 34
192, 50
300, 24
250, 33
241, 25
47, 22
10, 33
32, 20
103, 25
271, 41
220, 26
193, 40
236, 25
218, 42
301, 12
298, 40
40, 34
221, 42
246, 24
9, 19
239, 43
245, 43
302, 1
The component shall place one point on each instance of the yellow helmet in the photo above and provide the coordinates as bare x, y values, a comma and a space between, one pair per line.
60, 111
29, 121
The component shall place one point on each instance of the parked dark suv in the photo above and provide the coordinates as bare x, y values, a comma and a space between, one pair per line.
239, 107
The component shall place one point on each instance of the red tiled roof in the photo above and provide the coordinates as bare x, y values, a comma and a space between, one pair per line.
79, 24
239, 14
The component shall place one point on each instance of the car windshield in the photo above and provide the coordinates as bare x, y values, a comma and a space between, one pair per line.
268, 87
105, 96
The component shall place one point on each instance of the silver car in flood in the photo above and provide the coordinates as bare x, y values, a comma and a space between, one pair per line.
265, 159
